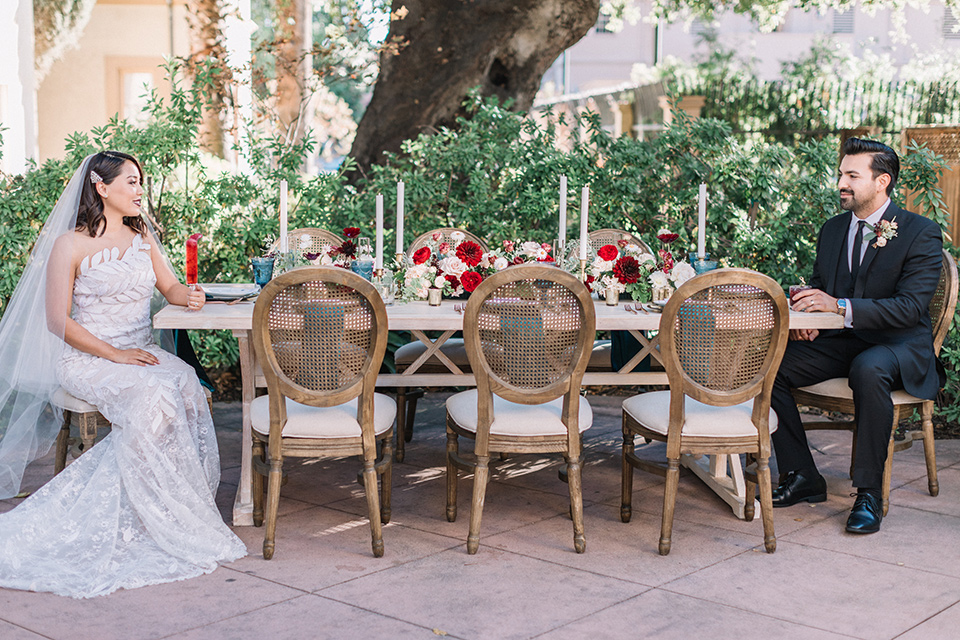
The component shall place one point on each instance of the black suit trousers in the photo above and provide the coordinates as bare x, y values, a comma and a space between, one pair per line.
873, 372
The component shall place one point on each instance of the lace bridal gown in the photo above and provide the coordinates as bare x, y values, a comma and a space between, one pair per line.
138, 508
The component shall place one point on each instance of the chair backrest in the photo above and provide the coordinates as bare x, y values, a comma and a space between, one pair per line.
944, 302
444, 232
320, 334
722, 336
602, 237
528, 331
318, 238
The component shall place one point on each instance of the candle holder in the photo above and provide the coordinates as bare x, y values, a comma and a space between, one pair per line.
583, 270
434, 296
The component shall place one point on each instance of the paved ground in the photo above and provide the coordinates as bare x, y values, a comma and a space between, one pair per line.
526, 581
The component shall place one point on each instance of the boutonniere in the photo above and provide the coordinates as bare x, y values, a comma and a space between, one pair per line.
883, 231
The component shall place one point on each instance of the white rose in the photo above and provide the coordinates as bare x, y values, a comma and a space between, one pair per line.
611, 281
530, 248
658, 279
881, 242
439, 281
500, 263
644, 258
682, 271
453, 265
422, 292
457, 236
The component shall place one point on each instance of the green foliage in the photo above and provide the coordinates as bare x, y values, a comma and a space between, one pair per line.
496, 175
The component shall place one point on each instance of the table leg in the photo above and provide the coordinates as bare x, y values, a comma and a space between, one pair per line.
724, 475
243, 504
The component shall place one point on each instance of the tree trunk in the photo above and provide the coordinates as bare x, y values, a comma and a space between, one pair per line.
292, 65
447, 47
207, 48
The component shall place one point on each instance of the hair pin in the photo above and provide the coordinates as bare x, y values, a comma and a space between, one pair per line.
95, 177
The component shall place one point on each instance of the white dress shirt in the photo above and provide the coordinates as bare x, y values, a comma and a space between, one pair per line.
871, 221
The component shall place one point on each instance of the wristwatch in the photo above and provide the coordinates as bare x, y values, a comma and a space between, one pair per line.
842, 307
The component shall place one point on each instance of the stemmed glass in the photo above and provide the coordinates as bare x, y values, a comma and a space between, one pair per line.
262, 270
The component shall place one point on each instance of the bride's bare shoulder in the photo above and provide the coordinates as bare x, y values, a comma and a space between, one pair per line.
75, 244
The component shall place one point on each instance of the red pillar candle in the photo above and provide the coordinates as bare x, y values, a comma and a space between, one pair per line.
192, 258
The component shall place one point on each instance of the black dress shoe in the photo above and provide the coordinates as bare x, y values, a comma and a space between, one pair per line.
799, 487
866, 515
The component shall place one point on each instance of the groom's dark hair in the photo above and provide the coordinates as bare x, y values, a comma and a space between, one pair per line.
885, 159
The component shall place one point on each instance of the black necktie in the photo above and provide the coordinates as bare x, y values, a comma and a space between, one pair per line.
857, 250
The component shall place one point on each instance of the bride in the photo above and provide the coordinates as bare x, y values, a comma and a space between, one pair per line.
138, 508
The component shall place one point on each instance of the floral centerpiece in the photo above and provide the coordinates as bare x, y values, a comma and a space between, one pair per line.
334, 255
627, 268
460, 265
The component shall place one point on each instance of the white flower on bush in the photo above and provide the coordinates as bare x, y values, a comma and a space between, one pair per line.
530, 248
439, 281
500, 263
458, 236
612, 282
682, 271
453, 265
658, 279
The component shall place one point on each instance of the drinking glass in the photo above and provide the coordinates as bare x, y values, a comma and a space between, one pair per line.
702, 266
262, 269
797, 288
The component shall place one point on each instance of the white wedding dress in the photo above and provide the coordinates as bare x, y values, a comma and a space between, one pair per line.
138, 508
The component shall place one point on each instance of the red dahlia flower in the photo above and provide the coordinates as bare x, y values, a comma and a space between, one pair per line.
667, 236
421, 255
470, 253
351, 232
608, 252
470, 280
348, 248
666, 260
627, 269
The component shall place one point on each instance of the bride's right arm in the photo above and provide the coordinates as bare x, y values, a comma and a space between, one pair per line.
60, 275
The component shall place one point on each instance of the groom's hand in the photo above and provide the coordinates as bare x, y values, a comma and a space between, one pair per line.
814, 300
804, 334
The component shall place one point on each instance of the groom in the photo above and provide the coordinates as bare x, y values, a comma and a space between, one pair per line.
878, 266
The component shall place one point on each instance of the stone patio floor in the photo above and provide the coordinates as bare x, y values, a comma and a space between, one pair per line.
527, 581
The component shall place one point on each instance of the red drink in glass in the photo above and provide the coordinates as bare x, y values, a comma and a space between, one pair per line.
192, 258
797, 288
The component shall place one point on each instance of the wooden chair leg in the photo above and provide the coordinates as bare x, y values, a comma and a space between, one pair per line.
257, 487
576, 504
411, 414
750, 490
386, 479
88, 431
480, 477
401, 422
373, 505
766, 503
63, 443
273, 504
888, 463
929, 449
626, 485
669, 502
453, 475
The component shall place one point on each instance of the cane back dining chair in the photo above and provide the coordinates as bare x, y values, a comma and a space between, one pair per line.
87, 420
409, 353
836, 395
317, 239
722, 336
527, 332
320, 334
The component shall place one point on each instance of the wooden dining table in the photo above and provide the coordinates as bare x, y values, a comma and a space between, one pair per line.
723, 473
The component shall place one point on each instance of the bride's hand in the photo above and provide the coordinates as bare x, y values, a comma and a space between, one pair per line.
138, 357
196, 298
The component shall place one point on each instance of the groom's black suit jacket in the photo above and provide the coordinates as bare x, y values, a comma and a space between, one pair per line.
892, 293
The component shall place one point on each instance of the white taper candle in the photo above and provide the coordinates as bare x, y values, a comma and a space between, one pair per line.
283, 216
400, 195
584, 206
378, 259
702, 222
562, 232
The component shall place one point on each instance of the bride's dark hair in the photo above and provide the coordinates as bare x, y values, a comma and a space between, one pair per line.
90, 218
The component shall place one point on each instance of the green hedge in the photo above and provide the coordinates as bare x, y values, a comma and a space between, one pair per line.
496, 175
